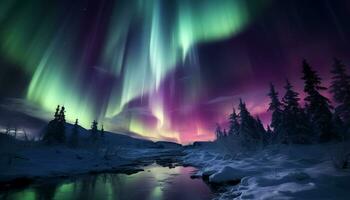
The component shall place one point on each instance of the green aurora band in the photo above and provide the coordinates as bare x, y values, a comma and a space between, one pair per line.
142, 42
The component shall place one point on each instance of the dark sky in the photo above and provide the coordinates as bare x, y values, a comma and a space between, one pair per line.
87, 41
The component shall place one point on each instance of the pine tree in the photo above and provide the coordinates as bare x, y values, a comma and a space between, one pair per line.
248, 132
75, 135
218, 132
55, 131
275, 107
318, 108
62, 116
296, 127
94, 130
234, 124
262, 132
56, 116
60, 135
102, 132
340, 88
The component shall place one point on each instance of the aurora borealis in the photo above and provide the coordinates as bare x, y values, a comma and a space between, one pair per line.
166, 70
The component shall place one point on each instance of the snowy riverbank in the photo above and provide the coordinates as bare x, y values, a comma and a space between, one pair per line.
43, 162
22, 162
288, 172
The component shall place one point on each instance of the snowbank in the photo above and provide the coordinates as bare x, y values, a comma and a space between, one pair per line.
227, 174
277, 172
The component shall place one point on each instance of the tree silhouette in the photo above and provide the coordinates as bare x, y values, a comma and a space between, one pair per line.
248, 132
296, 127
74, 139
218, 132
262, 132
55, 131
94, 130
340, 88
276, 120
318, 107
234, 124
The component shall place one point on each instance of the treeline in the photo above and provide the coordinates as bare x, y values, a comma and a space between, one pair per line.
56, 133
316, 122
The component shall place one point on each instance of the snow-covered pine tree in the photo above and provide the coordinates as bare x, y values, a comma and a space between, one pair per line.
319, 108
295, 125
275, 107
234, 124
340, 88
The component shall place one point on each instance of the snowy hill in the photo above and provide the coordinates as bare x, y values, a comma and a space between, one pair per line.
110, 139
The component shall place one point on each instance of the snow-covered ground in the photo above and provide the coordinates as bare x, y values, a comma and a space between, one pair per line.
112, 153
62, 161
276, 172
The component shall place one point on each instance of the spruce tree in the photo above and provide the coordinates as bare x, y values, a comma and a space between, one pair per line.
296, 127
318, 106
55, 131
340, 88
61, 126
51, 128
94, 130
262, 132
275, 107
248, 131
234, 124
57, 115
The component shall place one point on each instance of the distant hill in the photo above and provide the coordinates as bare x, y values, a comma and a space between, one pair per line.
35, 127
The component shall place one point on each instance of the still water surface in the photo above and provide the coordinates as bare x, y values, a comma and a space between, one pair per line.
155, 182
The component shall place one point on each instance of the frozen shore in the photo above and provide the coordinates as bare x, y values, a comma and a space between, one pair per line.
277, 172
23, 162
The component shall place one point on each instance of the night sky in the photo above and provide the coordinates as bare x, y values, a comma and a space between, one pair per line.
164, 70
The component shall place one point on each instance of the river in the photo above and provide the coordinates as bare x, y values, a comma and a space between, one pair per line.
154, 183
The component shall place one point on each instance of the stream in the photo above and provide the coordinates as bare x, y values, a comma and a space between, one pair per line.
154, 183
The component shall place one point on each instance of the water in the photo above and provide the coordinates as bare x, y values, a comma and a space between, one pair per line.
155, 182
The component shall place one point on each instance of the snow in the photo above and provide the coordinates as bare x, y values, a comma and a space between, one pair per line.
113, 152
276, 172
227, 174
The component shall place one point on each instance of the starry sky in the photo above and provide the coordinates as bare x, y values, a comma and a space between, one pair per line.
163, 70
